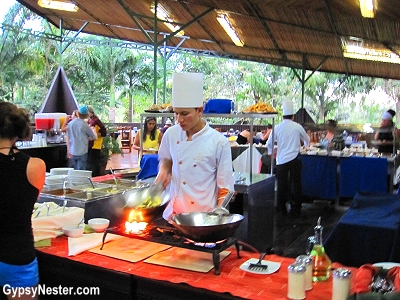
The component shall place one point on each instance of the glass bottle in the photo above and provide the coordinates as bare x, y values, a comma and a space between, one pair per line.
322, 263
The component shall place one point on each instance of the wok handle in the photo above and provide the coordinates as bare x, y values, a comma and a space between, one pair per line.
227, 199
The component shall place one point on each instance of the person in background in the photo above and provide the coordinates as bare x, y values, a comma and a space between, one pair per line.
265, 135
194, 159
68, 119
243, 137
79, 133
167, 125
94, 152
332, 140
288, 135
21, 180
385, 132
151, 138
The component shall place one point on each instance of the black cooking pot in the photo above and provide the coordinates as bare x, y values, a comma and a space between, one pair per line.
206, 226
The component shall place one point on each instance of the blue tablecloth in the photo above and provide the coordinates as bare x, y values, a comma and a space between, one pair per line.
148, 166
363, 174
318, 176
368, 232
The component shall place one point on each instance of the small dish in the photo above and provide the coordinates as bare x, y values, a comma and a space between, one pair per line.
99, 224
386, 265
272, 266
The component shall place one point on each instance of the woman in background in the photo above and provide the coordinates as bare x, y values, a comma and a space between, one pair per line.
332, 139
21, 180
151, 138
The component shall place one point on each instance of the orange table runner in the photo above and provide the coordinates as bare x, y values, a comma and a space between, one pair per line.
231, 280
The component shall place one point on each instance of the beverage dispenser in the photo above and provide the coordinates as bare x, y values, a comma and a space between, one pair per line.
48, 127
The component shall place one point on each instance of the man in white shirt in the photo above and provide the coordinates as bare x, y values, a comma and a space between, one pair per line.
288, 136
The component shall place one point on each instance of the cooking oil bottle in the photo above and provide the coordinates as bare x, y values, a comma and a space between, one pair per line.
322, 263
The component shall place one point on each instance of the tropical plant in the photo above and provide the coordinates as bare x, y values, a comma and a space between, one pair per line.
110, 145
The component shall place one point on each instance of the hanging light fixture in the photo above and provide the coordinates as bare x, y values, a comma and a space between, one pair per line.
162, 14
227, 26
367, 8
59, 5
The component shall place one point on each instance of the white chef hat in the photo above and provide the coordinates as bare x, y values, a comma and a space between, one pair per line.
387, 116
187, 89
287, 106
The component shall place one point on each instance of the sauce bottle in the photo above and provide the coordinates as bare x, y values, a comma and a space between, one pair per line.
321, 263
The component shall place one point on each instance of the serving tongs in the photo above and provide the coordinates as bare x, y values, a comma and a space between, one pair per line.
258, 266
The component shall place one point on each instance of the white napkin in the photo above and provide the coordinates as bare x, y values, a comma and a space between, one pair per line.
48, 225
336, 153
88, 241
242, 162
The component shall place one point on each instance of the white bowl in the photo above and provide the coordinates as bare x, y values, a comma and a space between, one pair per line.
79, 173
73, 231
98, 224
60, 171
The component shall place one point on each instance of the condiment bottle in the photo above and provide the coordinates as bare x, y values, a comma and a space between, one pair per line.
322, 263
296, 273
341, 284
307, 260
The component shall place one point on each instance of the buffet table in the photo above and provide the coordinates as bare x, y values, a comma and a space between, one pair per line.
120, 279
54, 155
369, 232
331, 177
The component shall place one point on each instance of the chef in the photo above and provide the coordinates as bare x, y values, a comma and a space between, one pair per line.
385, 132
194, 159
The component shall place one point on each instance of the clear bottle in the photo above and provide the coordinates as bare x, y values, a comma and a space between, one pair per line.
322, 263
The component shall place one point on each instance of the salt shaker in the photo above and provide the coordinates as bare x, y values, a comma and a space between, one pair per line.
307, 260
341, 284
296, 274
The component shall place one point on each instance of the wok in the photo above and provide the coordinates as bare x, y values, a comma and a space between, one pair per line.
139, 214
206, 227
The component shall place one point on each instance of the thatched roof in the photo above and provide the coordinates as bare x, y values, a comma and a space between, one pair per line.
294, 33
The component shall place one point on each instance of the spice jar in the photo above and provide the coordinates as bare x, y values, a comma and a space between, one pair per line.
307, 260
296, 274
341, 284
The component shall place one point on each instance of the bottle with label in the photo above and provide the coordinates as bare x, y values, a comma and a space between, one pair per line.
322, 263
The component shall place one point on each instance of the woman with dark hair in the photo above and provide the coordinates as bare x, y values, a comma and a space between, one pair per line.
21, 180
332, 139
150, 138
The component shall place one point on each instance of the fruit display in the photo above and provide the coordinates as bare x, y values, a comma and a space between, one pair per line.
260, 107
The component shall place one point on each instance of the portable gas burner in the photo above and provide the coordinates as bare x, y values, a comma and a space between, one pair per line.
171, 236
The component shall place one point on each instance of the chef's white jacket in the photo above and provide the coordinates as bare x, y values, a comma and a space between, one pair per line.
199, 169
288, 135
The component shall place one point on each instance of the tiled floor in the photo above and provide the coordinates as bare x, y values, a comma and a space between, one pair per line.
290, 233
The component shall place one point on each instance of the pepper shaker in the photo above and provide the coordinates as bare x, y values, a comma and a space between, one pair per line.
296, 274
307, 260
341, 284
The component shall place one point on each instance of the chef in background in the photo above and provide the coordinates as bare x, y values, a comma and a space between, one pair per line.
385, 132
288, 135
195, 159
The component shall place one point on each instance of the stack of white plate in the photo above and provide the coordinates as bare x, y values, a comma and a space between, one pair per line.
55, 181
60, 171
79, 173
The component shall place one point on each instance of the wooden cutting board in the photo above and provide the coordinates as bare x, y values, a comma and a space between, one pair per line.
130, 249
186, 259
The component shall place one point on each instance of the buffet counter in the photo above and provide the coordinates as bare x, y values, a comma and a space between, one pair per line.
332, 178
54, 155
119, 279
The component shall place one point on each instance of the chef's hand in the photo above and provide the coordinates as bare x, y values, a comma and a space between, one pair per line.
164, 175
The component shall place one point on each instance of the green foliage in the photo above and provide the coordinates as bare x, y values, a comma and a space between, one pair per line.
110, 146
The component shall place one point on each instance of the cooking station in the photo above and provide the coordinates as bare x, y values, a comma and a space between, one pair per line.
169, 235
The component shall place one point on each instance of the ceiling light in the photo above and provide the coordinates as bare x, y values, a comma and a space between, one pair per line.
360, 49
162, 14
60, 5
224, 21
367, 8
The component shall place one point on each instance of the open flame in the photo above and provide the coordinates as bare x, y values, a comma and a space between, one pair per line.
132, 226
